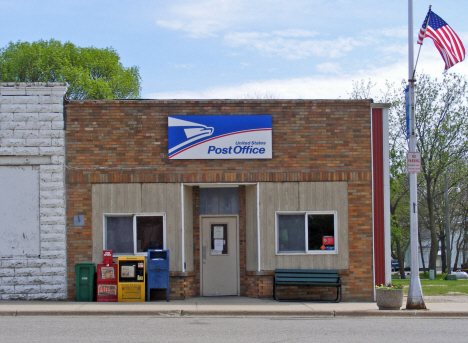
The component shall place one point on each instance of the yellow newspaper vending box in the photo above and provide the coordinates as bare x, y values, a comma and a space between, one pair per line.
131, 278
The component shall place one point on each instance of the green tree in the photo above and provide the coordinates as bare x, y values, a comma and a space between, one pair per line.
459, 223
442, 139
442, 129
91, 73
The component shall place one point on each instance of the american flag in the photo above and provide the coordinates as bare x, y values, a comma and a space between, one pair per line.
445, 39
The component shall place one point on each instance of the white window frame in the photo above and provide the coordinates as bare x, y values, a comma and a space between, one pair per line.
306, 233
134, 218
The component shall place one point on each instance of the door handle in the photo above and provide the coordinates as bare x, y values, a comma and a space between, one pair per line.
204, 254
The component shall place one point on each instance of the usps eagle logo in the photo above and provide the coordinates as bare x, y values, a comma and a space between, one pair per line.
193, 131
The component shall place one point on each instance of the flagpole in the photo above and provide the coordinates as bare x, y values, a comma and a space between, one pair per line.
415, 297
420, 45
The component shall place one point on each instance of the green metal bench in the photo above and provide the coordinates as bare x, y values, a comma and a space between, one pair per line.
308, 277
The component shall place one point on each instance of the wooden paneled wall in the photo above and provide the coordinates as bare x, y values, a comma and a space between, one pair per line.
139, 198
303, 196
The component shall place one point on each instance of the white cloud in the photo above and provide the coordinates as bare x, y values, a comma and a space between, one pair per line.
203, 18
246, 38
463, 36
276, 45
312, 87
394, 49
320, 86
277, 29
296, 33
329, 68
271, 28
237, 15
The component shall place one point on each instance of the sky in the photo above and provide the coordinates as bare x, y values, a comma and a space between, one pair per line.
233, 49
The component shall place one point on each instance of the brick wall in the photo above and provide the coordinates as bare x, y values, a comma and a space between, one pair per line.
313, 140
32, 138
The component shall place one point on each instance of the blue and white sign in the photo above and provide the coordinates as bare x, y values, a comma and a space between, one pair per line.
220, 137
407, 102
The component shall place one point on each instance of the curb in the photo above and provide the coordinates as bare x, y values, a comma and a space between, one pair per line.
178, 313
402, 313
208, 313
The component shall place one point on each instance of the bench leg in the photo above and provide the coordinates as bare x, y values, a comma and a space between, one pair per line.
338, 294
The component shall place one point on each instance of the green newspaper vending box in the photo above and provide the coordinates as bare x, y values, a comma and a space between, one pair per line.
84, 273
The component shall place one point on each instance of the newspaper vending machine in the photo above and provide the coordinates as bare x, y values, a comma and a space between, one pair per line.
131, 278
107, 278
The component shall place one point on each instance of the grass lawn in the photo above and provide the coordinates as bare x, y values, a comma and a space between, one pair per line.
438, 286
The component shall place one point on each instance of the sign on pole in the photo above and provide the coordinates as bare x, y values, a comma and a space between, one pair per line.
413, 162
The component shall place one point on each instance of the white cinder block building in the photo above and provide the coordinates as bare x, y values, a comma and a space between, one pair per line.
32, 191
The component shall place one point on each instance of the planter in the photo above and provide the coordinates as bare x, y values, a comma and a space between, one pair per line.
389, 299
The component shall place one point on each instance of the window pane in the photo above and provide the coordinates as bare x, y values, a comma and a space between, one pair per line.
149, 233
291, 235
120, 235
219, 201
319, 226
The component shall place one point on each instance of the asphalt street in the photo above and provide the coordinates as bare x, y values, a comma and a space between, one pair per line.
152, 329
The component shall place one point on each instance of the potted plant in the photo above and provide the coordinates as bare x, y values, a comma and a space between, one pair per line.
389, 297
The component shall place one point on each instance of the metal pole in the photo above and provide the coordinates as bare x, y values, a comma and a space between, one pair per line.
447, 229
415, 296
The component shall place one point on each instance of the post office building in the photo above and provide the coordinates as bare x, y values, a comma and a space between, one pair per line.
233, 189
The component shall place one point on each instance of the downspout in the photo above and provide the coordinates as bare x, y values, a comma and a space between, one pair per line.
258, 228
183, 225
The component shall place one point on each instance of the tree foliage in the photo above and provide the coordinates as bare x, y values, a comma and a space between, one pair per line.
91, 73
442, 136
442, 129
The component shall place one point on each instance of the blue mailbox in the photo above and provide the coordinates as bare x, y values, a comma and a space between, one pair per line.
157, 266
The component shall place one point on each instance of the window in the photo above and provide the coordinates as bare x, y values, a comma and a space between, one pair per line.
134, 234
306, 232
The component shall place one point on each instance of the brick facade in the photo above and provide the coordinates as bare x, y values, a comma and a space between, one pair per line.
313, 141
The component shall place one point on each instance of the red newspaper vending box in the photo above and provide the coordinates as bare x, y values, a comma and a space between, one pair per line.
107, 278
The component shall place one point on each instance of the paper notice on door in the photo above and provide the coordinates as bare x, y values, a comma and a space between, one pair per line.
218, 244
218, 232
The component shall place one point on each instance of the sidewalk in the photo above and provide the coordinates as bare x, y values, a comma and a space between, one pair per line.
227, 307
